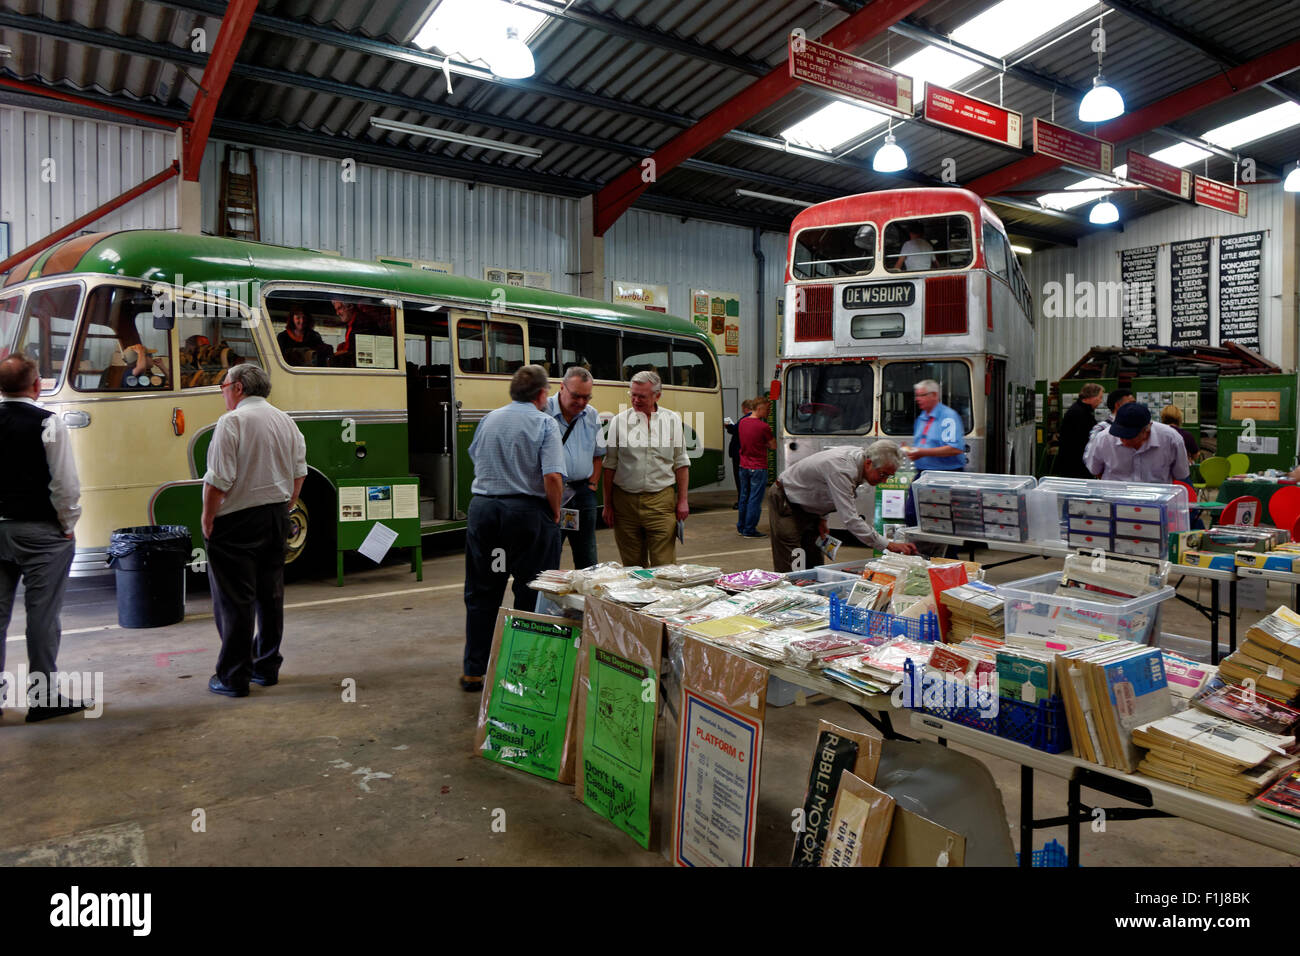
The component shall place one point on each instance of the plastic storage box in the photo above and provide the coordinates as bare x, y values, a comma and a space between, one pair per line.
819, 575
973, 505
1033, 608
1121, 517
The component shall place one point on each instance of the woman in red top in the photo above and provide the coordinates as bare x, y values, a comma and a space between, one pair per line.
756, 439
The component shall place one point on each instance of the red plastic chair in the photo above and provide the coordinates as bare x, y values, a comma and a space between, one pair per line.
1295, 530
1284, 507
1191, 492
1229, 515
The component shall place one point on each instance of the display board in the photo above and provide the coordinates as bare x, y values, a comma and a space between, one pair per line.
1137, 273
718, 314
1257, 417
374, 513
1239, 266
1189, 292
1183, 391
644, 295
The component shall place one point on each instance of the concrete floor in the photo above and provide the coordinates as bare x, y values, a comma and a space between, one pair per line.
294, 775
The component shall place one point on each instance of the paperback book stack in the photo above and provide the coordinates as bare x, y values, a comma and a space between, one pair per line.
1269, 655
975, 608
1214, 755
1281, 802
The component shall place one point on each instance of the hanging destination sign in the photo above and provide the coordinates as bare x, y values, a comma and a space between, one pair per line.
853, 76
1221, 196
1152, 172
1077, 149
966, 114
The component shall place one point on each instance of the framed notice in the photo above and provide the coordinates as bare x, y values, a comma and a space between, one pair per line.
424, 265
718, 314
1189, 292
1077, 149
853, 76
1239, 265
965, 114
517, 277
652, 298
1137, 275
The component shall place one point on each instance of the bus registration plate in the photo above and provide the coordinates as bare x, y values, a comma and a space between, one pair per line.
891, 294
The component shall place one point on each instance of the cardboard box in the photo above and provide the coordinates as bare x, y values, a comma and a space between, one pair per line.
934, 511
934, 496
1142, 547
1001, 499
1087, 507
1091, 525
1139, 513
935, 525
1137, 529
1207, 559
1002, 516
1090, 541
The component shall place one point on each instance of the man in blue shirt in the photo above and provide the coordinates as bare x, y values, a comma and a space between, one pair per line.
514, 517
584, 450
938, 437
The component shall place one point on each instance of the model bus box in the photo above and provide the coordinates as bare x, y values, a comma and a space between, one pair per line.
1208, 559
967, 513
1140, 513
934, 511
1003, 516
934, 496
1087, 507
1004, 532
1138, 529
1001, 499
1091, 525
1142, 547
973, 528
1090, 541
1269, 561
936, 526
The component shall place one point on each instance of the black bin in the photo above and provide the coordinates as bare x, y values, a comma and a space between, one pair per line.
149, 562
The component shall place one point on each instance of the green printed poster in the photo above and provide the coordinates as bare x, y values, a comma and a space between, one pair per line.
531, 687
618, 746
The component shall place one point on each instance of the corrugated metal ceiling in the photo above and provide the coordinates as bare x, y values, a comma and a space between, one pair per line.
608, 98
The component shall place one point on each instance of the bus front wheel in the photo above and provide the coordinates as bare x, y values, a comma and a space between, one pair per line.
309, 547
296, 543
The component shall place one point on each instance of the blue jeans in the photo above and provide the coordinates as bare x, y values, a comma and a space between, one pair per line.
753, 485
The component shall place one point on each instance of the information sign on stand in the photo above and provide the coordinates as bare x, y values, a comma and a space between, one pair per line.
375, 514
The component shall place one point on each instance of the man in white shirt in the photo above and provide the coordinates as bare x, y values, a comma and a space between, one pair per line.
256, 466
39, 494
917, 255
646, 474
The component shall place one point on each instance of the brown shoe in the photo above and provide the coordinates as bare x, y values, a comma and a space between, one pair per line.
472, 684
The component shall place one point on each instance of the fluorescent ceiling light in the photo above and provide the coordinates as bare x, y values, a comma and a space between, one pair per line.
771, 198
476, 29
1002, 29
1104, 213
1023, 250
433, 133
1181, 154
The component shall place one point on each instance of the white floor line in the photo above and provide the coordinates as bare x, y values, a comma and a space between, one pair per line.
722, 554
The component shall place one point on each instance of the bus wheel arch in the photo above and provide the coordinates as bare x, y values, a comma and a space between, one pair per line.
311, 540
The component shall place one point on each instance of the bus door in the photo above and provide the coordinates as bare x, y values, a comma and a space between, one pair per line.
430, 407
997, 409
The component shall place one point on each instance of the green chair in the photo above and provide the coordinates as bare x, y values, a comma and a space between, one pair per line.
1215, 472
1238, 464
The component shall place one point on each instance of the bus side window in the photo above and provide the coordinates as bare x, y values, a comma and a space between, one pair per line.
544, 345
120, 349
596, 350
469, 346
995, 252
505, 347
11, 310
212, 341
693, 364
645, 353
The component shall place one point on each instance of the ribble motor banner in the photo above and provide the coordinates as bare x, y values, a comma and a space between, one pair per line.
719, 749
837, 750
525, 716
618, 693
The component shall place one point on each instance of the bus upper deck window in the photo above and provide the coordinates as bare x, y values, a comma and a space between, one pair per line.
834, 251
928, 243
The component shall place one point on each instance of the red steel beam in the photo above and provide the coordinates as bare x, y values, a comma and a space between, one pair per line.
99, 212
621, 192
234, 25
1268, 67
82, 101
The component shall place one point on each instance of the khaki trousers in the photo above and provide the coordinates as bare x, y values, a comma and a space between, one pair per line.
789, 527
645, 527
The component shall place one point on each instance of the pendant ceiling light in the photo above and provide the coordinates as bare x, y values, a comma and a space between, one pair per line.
890, 158
1104, 213
1292, 182
1103, 101
511, 59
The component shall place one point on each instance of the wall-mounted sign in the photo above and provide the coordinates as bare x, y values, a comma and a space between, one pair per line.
853, 76
1077, 149
718, 314
1221, 196
1137, 273
653, 298
517, 277
1239, 264
1152, 172
954, 110
1189, 290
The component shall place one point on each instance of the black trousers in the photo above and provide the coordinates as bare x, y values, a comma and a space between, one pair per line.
246, 573
505, 537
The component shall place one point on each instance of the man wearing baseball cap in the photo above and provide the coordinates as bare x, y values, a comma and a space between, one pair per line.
1137, 449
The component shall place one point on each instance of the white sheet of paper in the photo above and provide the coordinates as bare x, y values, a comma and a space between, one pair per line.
352, 503
893, 503
378, 542
406, 501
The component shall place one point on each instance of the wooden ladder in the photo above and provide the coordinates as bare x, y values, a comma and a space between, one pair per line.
237, 214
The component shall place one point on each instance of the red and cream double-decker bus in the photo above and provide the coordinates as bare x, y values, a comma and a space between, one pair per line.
887, 289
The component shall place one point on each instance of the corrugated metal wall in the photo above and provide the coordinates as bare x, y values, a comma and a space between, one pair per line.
661, 249
54, 168
1063, 341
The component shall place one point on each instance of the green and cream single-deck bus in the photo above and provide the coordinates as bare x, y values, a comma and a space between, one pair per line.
133, 331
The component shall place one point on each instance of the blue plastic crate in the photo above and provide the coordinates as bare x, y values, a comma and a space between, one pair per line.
1041, 725
880, 626
918, 687
1052, 854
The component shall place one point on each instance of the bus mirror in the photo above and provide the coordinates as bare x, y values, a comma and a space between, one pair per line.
774, 390
164, 323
